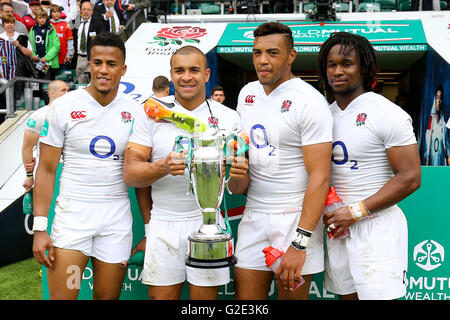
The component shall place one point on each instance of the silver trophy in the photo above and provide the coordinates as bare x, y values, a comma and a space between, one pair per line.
210, 246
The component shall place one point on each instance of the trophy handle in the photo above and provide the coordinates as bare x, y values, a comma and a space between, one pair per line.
179, 148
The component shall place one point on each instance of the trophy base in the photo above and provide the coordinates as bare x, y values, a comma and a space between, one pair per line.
209, 252
211, 264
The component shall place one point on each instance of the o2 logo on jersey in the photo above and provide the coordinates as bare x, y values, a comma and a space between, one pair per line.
340, 144
112, 148
255, 134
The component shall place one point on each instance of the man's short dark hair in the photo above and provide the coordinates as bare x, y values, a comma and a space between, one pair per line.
109, 39
186, 50
270, 28
160, 83
217, 88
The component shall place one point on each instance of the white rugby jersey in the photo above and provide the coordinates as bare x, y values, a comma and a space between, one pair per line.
36, 120
171, 200
436, 143
278, 125
361, 134
93, 140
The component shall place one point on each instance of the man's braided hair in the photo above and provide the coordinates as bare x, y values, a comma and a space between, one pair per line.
349, 42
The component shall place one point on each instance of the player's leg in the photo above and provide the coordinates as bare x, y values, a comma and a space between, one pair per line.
252, 284
108, 279
64, 278
301, 293
170, 292
252, 278
203, 293
204, 284
164, 270
378, 255
110, 246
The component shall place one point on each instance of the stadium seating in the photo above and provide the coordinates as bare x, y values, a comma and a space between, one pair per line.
342, 7
404, 5
308, 6
369, 7
387, 5
209, 8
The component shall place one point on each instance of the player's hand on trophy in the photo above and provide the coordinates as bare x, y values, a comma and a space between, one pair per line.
42, 243
238, 167
176, 163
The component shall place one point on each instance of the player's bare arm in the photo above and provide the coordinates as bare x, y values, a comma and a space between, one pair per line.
43, 194
139, 172
30, 139
405, 164
317, 159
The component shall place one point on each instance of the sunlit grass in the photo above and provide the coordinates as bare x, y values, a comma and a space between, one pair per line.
21, 281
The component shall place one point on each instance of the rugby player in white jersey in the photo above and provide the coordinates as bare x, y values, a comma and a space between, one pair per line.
90, 128
151, 160
375, 165
35, 123
436, 151
289, 127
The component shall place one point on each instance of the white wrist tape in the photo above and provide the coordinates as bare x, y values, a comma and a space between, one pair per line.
146, 229
301, 239
40, 223
357, 210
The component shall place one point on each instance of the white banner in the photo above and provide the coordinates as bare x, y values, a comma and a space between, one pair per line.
150, 47
437, 31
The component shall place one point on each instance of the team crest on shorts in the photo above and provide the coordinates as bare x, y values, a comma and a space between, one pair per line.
361, 119
286, 106
126, 116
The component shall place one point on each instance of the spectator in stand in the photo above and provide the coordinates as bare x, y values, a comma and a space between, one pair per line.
135, 5
29, 20
45, 43
88, 29
110, 14
11, 11
70, 9
46, 4
66, 49
23, 53
7, 8
8, 23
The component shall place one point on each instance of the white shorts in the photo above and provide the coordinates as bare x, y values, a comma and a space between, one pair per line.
166, 252
373, 260
259, 230
102, 230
